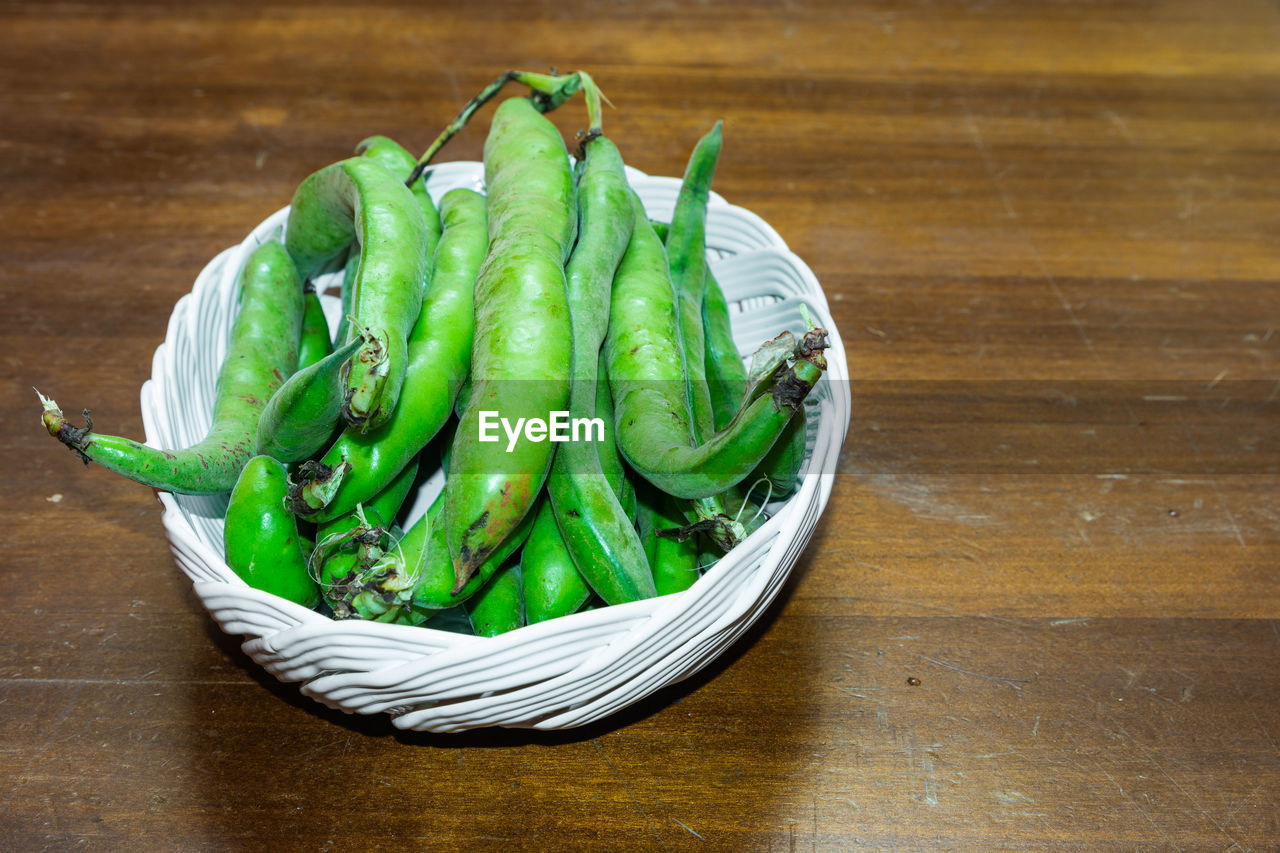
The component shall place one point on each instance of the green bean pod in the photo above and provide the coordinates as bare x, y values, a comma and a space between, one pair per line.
360, 464
781, 466
727, 383
261, 536
726, 374
499, 607
611, 464
521, 358
552, 584
358, 199
303, 412
414, 578
401, 164
357, 539
262, 353
686, 245
594, 527
674, 563
647, 379
314, 341
350, 267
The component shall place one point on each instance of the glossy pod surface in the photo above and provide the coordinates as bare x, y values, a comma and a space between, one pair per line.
358, 200
439, 358
261, 536
521, 356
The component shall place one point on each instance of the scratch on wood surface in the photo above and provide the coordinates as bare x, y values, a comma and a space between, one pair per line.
1015, 683
930, 781
52, 728
1118, 122
690, 829
1194, 800
1084, 536
1129, 798
596, 743
978, 142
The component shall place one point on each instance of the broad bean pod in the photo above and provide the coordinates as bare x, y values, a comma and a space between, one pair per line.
521, 357
303, 412
499, 607
594, 527
315, 341
647, 379
358, 199
359, 464
261, 536
261, 354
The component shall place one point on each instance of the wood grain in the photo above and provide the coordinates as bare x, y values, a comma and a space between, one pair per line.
1029, 219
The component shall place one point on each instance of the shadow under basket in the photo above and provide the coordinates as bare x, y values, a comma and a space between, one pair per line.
557, 674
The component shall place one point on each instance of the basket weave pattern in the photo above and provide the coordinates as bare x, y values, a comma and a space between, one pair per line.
557, 674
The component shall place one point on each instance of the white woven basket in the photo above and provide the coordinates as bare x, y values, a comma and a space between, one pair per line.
557, 674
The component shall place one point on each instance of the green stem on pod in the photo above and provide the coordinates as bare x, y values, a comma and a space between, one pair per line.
549, 92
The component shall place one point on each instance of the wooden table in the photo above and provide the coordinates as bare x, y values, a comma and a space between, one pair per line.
1041, 609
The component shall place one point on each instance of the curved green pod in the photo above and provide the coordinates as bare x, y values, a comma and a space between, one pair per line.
303, 412
350, 266
360, 464
261, 536
358, 199
726, 374
499, 607
781, 465
400, 163
551, 583
647, 379
686, 245
594, 527
262, 353
314, 341
521, 358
